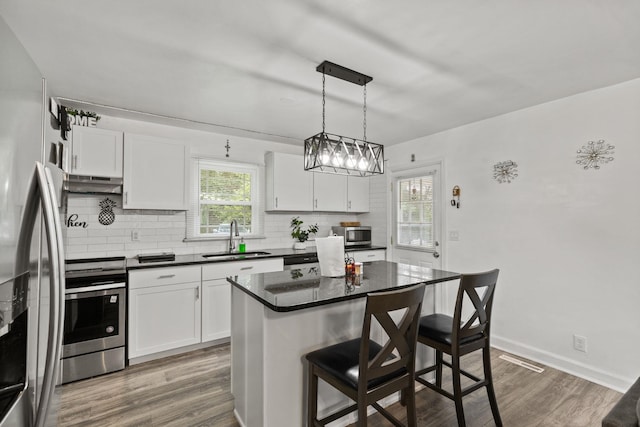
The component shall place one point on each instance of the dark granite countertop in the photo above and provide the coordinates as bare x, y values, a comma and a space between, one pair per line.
134, 263
301, 288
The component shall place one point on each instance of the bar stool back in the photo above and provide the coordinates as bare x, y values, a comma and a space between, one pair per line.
366, 371
453, 336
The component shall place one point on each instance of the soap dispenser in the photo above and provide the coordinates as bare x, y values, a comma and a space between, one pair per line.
242, 247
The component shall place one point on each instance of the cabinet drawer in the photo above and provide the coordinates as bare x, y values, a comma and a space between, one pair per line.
221, 270
164, 276
366, 256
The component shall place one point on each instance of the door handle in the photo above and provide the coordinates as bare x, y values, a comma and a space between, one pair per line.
436, 254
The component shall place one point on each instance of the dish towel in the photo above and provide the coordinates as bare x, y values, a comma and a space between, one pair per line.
331, 255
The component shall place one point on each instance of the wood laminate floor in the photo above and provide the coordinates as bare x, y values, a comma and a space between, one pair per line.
193, 389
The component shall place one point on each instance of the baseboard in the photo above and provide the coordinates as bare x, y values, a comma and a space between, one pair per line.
175, 351
564, 364
238, 419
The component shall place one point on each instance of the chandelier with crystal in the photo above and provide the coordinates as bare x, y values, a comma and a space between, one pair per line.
330, 153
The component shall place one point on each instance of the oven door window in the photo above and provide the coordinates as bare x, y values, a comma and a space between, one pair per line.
91, 317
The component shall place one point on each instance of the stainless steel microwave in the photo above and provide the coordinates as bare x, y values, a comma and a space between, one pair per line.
354, 236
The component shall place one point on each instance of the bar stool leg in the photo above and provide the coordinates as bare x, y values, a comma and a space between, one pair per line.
362, 410
410, 400
312, 398
457, 389
486, 359
439, 368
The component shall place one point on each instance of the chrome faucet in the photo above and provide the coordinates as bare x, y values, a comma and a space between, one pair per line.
232, 244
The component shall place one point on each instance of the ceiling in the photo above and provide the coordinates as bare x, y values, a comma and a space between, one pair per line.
248, 67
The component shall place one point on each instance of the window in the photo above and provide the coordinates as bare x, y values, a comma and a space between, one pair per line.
415, 212
224, 192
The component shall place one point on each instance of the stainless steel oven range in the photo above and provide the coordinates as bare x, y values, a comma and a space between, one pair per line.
94, 318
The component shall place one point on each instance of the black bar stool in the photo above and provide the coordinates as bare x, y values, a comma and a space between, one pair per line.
451, 335
366, 371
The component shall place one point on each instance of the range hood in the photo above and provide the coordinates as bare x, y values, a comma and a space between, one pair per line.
92, 185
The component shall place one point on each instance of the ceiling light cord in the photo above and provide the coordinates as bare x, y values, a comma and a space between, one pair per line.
364, 109
323, 102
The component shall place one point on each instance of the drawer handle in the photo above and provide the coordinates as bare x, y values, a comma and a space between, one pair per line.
247, 268
371, 256
166, 276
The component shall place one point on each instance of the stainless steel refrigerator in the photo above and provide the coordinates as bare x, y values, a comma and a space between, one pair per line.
31, 254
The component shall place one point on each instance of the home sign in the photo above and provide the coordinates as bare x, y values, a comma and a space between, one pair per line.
82, 121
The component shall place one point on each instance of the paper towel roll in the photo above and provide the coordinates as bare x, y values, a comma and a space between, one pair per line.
331, 255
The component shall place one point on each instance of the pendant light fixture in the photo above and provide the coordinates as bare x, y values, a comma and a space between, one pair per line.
330, 153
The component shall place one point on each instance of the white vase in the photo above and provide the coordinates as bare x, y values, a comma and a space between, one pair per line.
300, 245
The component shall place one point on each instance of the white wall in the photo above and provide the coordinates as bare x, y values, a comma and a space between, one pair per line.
565, 239
165, 231
376, 218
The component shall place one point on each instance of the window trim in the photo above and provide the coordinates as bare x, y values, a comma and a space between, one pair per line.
193, 215
396, 211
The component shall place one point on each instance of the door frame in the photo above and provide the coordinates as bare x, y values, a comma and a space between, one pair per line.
440, 290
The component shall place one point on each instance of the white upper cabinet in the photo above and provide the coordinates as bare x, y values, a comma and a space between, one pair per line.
288, 186
329, 192
155, 173
358, 194
96, 152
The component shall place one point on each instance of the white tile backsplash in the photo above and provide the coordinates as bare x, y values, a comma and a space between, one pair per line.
165, 231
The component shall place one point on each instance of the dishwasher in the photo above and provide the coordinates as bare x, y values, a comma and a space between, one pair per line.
292, 262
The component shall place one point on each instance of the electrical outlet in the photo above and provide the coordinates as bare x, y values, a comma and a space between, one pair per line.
135, 236
454, 235
580, 343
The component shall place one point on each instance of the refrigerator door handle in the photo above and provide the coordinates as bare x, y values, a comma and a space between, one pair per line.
56, 314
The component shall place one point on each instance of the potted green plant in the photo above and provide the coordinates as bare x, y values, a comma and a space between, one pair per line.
301, 235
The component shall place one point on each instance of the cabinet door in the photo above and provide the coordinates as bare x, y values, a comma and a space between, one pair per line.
155, 173
288, 186
96, 152
358, 194
329, 192
163, 318
216, 309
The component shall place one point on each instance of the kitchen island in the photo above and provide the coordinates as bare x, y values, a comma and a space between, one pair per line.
279, 317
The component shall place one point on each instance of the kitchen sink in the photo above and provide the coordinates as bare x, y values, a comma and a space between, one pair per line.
233, 256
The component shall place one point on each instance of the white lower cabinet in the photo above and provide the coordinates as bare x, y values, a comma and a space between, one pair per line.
174, 307
216, 292
216, 309
164, 309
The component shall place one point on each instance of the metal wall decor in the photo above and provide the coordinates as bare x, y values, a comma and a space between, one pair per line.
505, 171
330, 153
106, 215
592, 155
